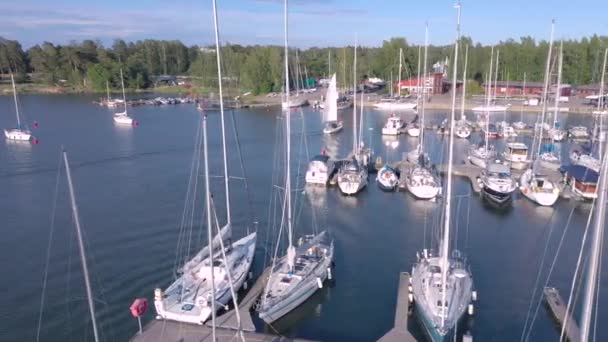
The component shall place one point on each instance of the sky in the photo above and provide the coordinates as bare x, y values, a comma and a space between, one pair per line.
311, 22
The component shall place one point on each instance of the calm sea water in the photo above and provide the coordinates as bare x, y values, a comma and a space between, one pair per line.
131, 184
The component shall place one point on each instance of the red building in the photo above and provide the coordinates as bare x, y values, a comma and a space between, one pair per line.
510, 88
432, 84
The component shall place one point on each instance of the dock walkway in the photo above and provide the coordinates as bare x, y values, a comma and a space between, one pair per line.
558, 309
399, 332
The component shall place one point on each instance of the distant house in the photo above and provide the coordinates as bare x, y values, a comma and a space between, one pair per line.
510, 88
588, 90
431, 84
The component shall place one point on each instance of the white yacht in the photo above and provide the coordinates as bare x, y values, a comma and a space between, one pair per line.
550, 160
332, 125
413, 129
516, 154
496, 182
479, 154
19, 133
352, 177
320, 169
393, 125
586, 160
538, 188
579, 132
294, 103
462, 129
489, 108
423, 182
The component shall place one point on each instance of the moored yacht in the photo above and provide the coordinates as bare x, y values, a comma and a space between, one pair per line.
582, 181
517, 155
123, 117
387, 178
496, 182
395, 104
320, 169
352, 177
19, 133
393, 125
538, 188
480, 153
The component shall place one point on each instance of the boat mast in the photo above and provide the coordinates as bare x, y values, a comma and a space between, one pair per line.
424, 77
400, 65
16, 104
445, 244
495, 96
329, 64
355, 142
557, 89
464, 81
488, 96
209, 224
600, 105
546, 87
124, 97
221, 94
291, 249
107, 90
594, 259
524, 94
418, 78
83, 259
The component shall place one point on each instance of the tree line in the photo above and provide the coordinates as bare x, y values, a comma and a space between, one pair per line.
89, 65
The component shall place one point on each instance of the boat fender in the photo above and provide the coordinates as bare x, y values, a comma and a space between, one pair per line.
245, 285
250, 275
329, 275
410, 297
319, 283
471, 310
474, 295
410, 289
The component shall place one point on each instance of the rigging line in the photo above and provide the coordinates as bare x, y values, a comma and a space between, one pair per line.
190, 225
229, 274
576, 271
251, 211
48, 249
271, 214
597, 292
553, 263
69, 280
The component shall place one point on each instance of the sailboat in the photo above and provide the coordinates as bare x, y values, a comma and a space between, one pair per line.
480, 153
19, 133
550, 159
442, 283
352, 175
533, 184
210, 279
301, 271
332, 125
123, 117
110, 102
422, 180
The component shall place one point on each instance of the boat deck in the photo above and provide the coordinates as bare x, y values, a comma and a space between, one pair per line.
399, 332
558, 309
226, 324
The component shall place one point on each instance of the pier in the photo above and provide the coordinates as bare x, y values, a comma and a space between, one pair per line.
227, 327
560, 313
399, 332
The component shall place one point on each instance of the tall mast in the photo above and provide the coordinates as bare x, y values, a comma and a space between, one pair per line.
594, 258
424, 77
600, 104
107, 90
124, 97
16, 104
496, 75
464, 81
83, 258
488, 96
558, 87
400, 65
221, 94
546, 86
329, 64
524, 94
355, 142
290, 249
209, 224
445, 244
418, 77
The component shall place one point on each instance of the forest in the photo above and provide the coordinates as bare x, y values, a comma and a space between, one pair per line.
88, 65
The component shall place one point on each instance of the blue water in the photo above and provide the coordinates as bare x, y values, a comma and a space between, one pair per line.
131, 183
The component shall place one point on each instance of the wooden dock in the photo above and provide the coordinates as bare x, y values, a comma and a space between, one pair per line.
227, 327
399, 332
560, 313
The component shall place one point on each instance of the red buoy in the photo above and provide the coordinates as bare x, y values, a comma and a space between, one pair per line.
139, 307
35, 123
35, 141
135, 123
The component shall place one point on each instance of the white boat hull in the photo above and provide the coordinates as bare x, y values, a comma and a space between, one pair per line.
123, 119
543, 197
332, 130
17, 135
413, 132
489, 109
424, 192
396, 106
351, 187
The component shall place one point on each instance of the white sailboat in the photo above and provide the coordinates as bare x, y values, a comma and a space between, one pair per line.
490, 106
442, 284
551, 159
19, 133
332, 124
352, 175
301, 271
210, 280
533, 184
123, 117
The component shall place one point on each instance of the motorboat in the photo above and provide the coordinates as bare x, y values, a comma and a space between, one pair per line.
387, 178
395, 104
516, 154
586, 160
393, 125
582, 181
579, 132
320, 169
496, 182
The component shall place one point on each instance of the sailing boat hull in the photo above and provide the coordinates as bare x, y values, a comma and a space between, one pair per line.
123, 119
333, 128
17, 135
